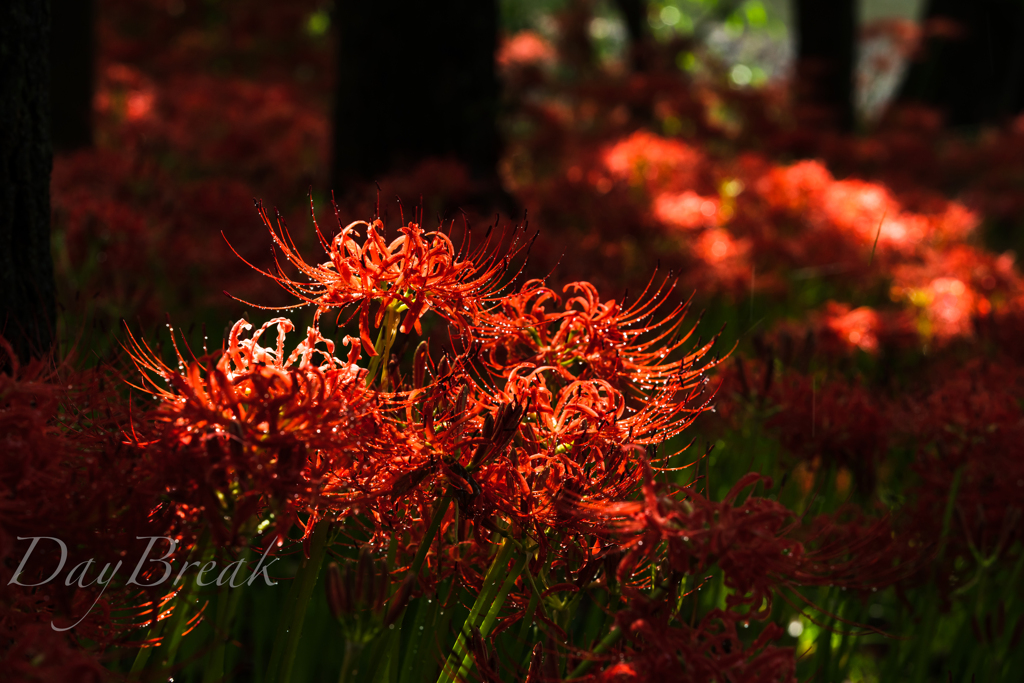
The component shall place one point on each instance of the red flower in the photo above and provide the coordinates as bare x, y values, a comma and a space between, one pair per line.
253, 427
420, 270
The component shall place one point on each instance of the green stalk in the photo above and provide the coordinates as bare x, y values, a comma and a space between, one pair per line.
351, 660
143, 656
930, 620
378, 346
409, 671
168, 648
213, 670
384, 643
377, 661
492, 613
227, 604
428, 538
289, 630
487, 595
947, 516
392, 638
391, 323
531, 611
609, 640
385, 338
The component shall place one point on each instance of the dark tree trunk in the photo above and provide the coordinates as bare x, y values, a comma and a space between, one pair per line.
72, 51
574, 44
415, 80
634, 15
826, 52
972, 64
26, 268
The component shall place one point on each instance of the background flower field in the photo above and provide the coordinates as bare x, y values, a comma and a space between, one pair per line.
862, 293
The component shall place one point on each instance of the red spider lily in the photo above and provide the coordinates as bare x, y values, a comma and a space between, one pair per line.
420, 270
758, 545
38, 653
64, 473
255, 427
831, 420
660, 648
645, 158
965, 428
952, 286
525, 48
865, 328
582, 443
590, 338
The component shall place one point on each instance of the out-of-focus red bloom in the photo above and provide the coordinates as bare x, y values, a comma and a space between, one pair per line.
686, 210
833, 421
952, 286
759, 545
39, 654
968, 423
865, 328
660, 648
64, 473
646, 159
526, 48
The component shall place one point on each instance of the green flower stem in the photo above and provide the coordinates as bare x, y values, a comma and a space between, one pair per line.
499, 601
418, 642
384, 640
378, 346
227, 605
385, 338
289, 630
168, 648
387, 672
391, 323
608, 641
428, 538
488, 593
494, 611
377, 664
143, 656
350, 662
531, 611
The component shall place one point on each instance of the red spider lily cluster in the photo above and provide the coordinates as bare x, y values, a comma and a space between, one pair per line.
67, 474
522, 448
537, 431
519, 448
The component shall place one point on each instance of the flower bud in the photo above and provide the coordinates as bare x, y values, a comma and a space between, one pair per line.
394, 376
444, 367
536, 657
364, 588
382, 584
419, 364
400, 600
337, 593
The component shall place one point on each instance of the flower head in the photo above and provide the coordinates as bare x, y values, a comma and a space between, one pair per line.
420, 270
253, 426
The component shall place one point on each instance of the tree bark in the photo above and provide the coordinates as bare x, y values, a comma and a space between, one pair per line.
634, 16
972, 62
26, 267
415, 80
826, 57
72, 50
